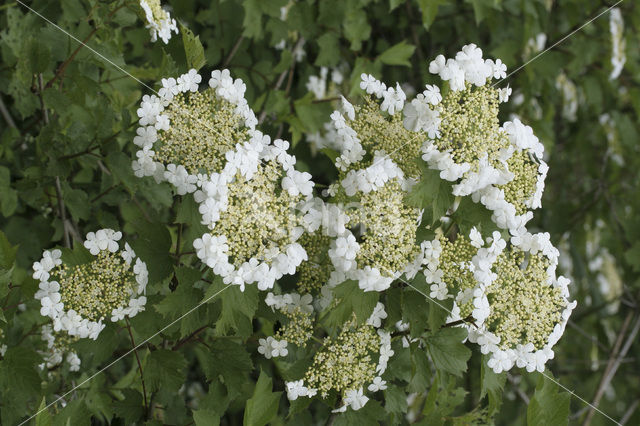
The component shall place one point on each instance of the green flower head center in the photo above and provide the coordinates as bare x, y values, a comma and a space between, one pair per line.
298, 330
454, 260
523, 186
524, 309
260, 216
203, 128
158, 12
377, 132
345, 362
315, 272
389, 241
94, 289
470, 126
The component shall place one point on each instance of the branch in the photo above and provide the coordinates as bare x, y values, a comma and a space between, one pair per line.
63, 66
135, 351
7, 116
186, 340
62, 213
614, 362
233, 51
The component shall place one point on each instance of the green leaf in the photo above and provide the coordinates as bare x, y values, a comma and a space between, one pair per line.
262, 407
79, 255
130, 408
165, 369
152, 246
329, 45
431, 193
237, 307
548, 406
420, 371
447, 350
36, 56
429, 10
632, 256
192, 48
206, 418
398, 54
44, 417
8, 195
226, 360
352, 301
18, 373
7, 258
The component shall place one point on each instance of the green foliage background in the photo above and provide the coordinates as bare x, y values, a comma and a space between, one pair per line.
68, 143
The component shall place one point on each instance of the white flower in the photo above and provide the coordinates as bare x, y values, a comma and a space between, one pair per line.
476, 238
74, 361
119, 313
296, 389
371, 85
128, 254
51, 305
348, 108
265, 346
504, 94
355, 399
377, 385
136, 306
439, 291
146, 136
47, 288
189, 81
104, 239
279, 348
437, 65
377, 315
393, 99
297, 183
499, 69
432, 94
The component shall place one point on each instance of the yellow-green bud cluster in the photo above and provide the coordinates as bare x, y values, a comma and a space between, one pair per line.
454, 262
389, 238
94, 289
378, 131
523, 185
524, 308
299, 329
315, 272
470, 126
260, 215
345, 362
204, 127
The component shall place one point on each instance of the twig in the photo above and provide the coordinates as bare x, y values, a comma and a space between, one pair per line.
63, 214
63, 66
5, 113
135, 351
523, 396
188, 338
263, 114
614, 363
45, 114
233, 51
627, 415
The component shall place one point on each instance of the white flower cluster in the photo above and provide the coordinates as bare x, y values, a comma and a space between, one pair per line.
272, 348
523, 142
153, 122
467, 67
353, 398
67, 318
345, 248
55, 354
524, 354
618, 44
318, 84
242, 166
290, 301
159, 22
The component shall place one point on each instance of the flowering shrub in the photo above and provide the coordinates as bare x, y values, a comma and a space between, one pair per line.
358, 217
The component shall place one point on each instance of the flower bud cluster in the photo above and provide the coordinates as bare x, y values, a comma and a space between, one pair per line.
79, 297
57, 345
185, 134
159, 22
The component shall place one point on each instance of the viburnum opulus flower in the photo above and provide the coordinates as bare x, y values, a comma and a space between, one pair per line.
521, 307
185, 133
58, 344
253, 210
159, 21
361, 130
382, 250
348, 364
79, 298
